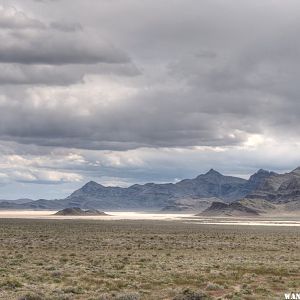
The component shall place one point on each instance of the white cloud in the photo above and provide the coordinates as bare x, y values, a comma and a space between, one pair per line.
39, 169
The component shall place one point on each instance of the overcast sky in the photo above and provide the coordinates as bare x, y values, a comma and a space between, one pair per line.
133, 91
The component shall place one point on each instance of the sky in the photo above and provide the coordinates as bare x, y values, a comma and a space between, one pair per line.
134, 91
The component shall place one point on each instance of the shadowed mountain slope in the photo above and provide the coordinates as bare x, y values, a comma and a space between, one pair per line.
188, 194
157, 196
233, 209
279, 188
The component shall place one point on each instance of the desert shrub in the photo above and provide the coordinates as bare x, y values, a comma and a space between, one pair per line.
104, 297
214, 287
31, 297
73, 290
128, 296
11, 283
188, 294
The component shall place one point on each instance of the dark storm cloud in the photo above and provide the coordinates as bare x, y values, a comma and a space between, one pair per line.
121, 75
142, 120
209, 76
34, 75
19, 74
31, 41
66, 27
58, 48
54, 53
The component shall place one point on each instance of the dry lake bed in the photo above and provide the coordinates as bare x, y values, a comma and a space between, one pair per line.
129, 256
266, 220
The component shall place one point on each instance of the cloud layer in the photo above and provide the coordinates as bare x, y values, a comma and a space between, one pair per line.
118, 80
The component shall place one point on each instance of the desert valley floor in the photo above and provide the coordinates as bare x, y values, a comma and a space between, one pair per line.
178, 259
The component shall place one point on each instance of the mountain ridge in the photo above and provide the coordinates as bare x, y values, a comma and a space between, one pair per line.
187, 194
236, 209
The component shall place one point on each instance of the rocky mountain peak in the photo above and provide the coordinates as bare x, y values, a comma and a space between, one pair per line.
262, 171
91, 186
213, 172
259, 178
210, 175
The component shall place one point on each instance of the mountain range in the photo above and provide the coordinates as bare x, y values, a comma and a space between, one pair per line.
189, 194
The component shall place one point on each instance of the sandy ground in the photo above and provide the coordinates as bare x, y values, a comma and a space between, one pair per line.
287, 220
